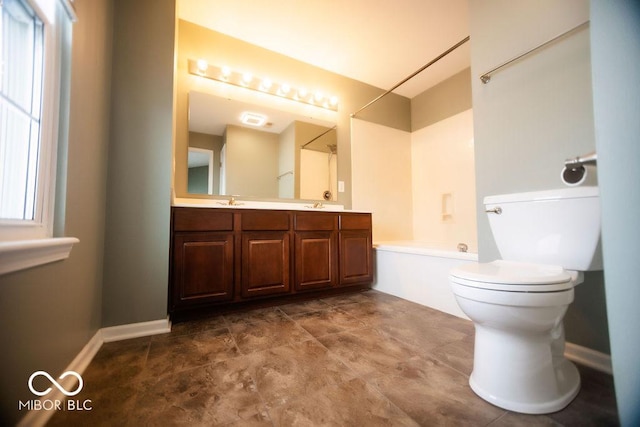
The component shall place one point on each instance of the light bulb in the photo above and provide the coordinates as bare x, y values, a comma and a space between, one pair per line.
284, 89
226, 72
202, 65
266, 84
246, 78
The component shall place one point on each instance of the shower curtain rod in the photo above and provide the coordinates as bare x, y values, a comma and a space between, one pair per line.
430, 63
319, 136
486, 77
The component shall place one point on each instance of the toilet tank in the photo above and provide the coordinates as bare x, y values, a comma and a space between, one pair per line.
555, 227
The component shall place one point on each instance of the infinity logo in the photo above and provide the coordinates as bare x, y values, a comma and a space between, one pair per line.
55, 383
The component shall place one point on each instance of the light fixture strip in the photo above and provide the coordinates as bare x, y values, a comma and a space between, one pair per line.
264, 85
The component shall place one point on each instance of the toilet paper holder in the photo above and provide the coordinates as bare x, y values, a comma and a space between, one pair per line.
574, 171
586, 159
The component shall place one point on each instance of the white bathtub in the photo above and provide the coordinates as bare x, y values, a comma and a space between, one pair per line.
419, 272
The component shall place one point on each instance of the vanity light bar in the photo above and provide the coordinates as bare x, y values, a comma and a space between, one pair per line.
265, 85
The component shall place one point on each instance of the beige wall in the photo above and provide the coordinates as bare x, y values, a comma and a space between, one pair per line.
287, 162
205, 141
198, 42
531, 117
48, 313
258, 154
446, 99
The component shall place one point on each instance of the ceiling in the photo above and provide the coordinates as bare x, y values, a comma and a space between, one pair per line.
379, 42
229, 111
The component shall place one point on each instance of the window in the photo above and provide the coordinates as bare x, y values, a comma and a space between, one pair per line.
20, 110
31, 47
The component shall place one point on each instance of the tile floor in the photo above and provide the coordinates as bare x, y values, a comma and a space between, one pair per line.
363, 359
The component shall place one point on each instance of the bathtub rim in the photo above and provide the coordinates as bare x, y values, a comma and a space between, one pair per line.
416, 247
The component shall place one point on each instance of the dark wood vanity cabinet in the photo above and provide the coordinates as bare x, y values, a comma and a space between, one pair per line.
223, 256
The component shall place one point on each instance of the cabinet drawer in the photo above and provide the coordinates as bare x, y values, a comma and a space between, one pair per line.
355, 221
201, 219
265, 221
314, 222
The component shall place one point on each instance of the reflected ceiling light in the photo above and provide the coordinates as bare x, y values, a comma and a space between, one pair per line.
266, 85
302, 93
202, 66
253, 119
246, 78
284, 89
225, 72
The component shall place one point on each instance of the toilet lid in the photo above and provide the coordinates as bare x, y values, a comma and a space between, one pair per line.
513, 276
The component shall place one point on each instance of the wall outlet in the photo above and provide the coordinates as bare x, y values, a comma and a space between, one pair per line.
340, 186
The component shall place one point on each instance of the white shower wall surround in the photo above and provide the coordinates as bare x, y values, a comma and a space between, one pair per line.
420, 185
444, 183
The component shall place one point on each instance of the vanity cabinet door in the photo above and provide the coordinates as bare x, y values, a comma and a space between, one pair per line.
355, 257
202, 268
356, 250
265, 263
315, 250
315, 260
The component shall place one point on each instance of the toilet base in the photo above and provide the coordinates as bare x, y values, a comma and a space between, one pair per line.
565, 395
530, 376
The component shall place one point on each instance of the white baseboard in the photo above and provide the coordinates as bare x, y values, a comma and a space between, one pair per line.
588, 357
86, 355
135, 330
79, 364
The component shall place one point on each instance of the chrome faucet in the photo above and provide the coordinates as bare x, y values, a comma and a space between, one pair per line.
232, 202
316, 205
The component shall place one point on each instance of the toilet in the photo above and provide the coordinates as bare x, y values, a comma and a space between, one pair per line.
546, 240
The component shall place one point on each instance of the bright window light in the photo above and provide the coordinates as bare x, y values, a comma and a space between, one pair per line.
20, 110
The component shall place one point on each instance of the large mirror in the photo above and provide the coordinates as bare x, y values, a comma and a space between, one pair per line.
240, 149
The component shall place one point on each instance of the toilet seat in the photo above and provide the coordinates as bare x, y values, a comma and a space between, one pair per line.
514, 276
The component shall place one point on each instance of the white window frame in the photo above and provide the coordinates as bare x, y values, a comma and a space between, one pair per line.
28, 243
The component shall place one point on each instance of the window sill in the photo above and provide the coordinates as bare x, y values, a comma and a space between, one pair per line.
18, 255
